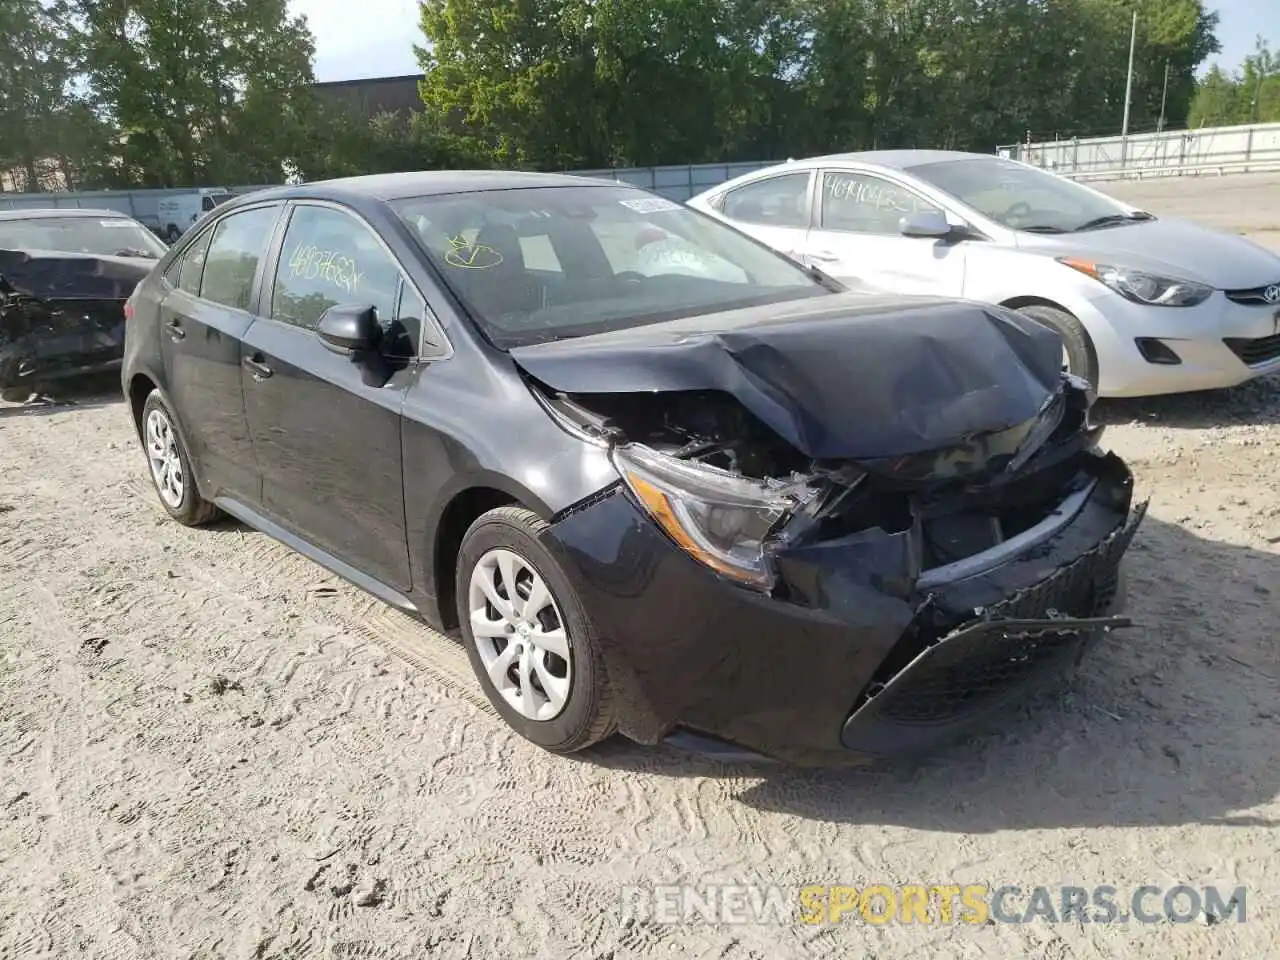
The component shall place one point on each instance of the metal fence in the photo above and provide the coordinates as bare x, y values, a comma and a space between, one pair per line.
1208, 150
674, 182
678, 182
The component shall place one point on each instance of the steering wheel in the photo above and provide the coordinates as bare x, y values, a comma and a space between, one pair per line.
1017, 210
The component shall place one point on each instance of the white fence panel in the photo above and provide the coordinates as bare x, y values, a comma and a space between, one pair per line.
1208, 150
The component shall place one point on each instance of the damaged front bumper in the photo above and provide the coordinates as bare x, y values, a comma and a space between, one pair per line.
985, 662
43, 345
866, 658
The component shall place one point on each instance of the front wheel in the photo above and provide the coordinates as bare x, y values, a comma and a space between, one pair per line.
171, 465
1078, 355
15, 394
530, 642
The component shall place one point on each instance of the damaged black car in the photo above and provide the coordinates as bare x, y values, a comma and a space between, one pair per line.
65, 275
657, 478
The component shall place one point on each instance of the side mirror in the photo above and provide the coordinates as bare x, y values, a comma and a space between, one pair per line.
925, 223
350, 329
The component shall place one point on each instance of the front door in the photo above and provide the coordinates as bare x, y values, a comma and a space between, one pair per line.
203, 318
327, 442
857, 237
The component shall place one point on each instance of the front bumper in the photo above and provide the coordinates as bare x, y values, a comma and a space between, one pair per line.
1219, 343
41, 357
831, 675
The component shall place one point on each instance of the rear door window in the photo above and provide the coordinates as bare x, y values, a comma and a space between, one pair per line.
238, 244
781, 201
191, 265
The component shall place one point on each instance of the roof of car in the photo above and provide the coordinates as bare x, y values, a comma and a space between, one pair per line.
395, 186
47, 212
902, 159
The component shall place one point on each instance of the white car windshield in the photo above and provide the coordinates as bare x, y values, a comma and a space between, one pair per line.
96, 236
555, 262
1020, 197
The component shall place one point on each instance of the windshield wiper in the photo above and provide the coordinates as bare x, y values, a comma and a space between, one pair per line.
825, 279
1042, 228
1112, 219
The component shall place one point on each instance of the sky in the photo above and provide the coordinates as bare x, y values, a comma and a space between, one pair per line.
378, 40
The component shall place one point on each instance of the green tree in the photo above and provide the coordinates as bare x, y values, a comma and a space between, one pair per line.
43, 130
201, 91
1251, 96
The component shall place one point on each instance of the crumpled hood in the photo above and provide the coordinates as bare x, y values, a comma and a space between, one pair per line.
1173, 248
53, 275
845, 376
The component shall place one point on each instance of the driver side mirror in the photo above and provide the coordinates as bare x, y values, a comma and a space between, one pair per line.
930, 224
349, 329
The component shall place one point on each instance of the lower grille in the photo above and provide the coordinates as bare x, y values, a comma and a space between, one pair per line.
986, 660
1256, 351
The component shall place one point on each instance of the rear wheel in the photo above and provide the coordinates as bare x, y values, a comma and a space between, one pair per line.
1078, 354
529, 640
170, 465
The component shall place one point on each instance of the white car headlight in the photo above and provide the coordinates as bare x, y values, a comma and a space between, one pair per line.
1140, 287
719, 518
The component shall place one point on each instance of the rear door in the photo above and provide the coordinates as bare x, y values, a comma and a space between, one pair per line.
773, 209
328, 443
207, 309
856, 236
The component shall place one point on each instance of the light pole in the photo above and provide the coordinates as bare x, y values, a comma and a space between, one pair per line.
1128, 94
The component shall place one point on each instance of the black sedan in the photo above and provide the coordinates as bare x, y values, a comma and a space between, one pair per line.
65, 275
660, 479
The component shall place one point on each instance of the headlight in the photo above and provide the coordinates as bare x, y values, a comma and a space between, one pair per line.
719, 518
1143, 287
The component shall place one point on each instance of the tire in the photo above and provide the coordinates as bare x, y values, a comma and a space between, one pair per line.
1082, 359
15, 394
189, 508
587, 713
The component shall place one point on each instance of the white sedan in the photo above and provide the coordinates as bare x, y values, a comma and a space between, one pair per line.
1145, 305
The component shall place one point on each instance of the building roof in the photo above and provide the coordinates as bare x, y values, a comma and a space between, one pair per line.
374, 95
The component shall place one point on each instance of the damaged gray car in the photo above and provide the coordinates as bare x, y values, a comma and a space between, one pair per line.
65, 275
656, 477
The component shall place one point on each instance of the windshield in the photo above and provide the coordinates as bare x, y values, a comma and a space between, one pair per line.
555, 262
1017, 196
99, 237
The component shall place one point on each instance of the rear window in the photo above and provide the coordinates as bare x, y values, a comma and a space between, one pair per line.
99, 237
549, 263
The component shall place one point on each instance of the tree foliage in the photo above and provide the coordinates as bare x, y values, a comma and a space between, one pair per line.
1252, 95
585, 83
199, 90
115, 93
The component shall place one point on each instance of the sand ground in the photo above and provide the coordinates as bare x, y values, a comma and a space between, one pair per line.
211, 748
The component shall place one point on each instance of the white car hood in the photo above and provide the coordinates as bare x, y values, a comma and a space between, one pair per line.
1172, 248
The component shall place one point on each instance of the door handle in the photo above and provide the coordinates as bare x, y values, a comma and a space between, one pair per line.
255, 366
175, 328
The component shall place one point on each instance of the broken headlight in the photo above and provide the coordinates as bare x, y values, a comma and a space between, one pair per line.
719, 518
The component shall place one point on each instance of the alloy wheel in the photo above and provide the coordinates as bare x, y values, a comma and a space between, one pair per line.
166, 463
520, 635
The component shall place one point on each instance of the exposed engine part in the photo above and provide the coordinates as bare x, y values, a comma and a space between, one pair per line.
1025, 471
